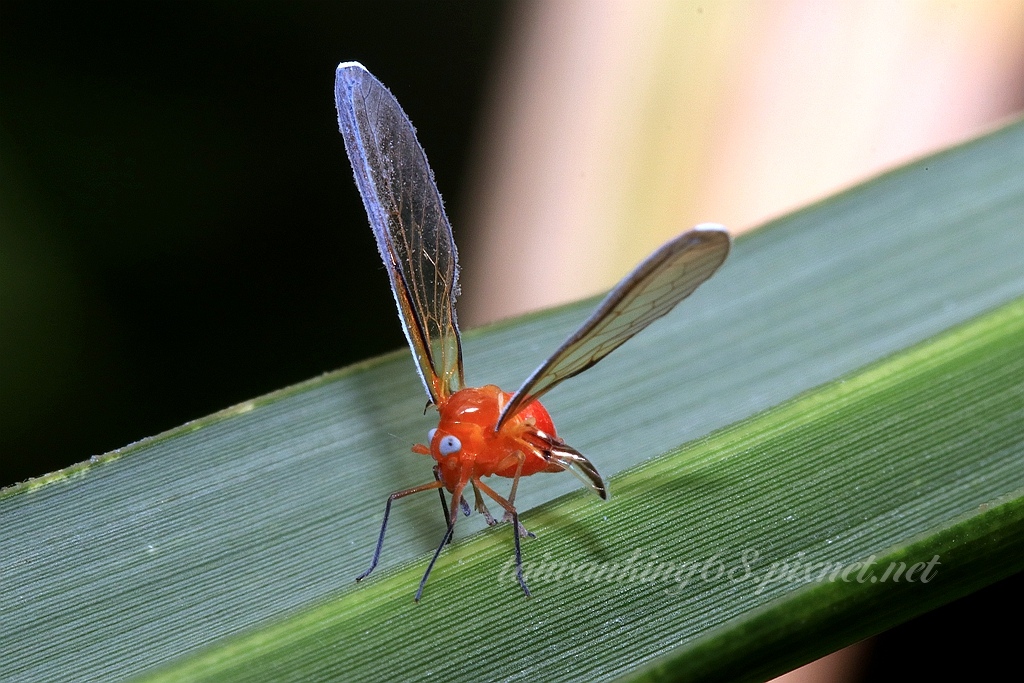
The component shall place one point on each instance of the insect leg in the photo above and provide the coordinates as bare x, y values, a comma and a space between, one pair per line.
517, 530
440, 492
521, 457
519, 553
456, 497
387, 512
515, 480
481, 507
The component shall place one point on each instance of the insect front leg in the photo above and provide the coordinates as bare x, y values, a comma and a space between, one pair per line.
444, 504
387, 513
440, 492
456, 499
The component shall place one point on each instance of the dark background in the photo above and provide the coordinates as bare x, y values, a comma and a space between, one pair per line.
179, 228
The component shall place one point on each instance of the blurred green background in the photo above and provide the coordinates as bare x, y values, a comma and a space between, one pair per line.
179, 228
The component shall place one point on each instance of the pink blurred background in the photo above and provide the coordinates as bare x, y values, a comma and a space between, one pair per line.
615, 125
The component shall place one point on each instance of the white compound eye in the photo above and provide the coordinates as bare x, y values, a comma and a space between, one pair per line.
449, 444
430, 435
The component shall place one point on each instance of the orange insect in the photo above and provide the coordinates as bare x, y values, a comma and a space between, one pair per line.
485, 431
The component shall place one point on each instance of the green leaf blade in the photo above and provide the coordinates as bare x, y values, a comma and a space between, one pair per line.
661, 566
236, 521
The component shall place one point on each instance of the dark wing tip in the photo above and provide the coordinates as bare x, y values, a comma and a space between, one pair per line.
712, 233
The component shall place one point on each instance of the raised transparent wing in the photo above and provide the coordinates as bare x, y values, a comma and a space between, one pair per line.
665, 278
408, 220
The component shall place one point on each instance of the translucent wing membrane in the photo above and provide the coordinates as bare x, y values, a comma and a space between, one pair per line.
569, 459
409, 222
665, 278
575, 462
